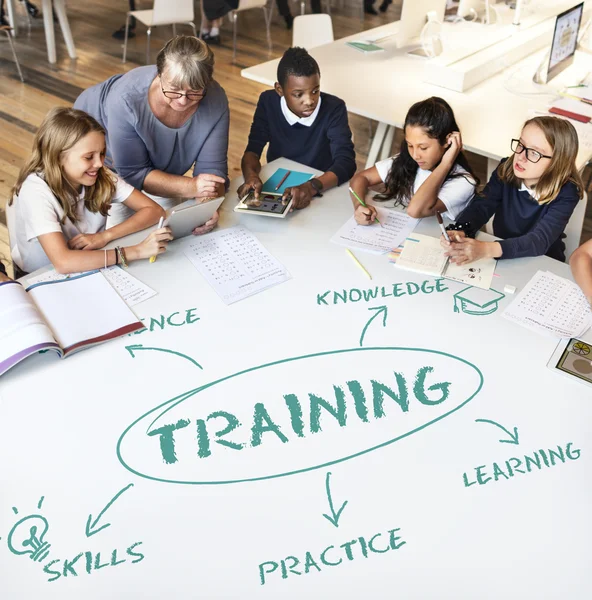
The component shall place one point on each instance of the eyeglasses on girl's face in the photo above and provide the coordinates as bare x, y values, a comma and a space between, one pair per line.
532, 155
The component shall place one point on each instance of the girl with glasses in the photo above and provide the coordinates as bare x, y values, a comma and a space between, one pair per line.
163, 120
531, 196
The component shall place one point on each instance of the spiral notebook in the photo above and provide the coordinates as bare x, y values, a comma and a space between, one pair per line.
424, 254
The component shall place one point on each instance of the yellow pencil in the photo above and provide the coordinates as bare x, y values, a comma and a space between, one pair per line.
358, 263
153, 258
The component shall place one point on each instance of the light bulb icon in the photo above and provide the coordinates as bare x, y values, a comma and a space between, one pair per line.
26, 537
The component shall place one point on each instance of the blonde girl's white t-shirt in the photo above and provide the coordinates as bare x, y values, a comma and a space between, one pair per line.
36, 211
455, 193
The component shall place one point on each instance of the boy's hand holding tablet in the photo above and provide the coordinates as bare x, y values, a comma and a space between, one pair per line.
252, 184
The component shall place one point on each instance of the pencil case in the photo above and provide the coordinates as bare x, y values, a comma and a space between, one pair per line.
569, 114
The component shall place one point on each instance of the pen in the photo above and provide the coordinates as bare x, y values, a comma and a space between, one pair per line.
358, 263
441, 223
279, 185
363, 204
160, 222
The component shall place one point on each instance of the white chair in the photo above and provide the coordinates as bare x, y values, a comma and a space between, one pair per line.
312, 30
573, 231
164, 12
248, 5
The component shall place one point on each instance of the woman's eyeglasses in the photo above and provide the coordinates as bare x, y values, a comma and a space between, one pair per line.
531, 155
193, 96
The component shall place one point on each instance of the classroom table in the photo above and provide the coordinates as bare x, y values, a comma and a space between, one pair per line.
47, 8
332, 436
383, 85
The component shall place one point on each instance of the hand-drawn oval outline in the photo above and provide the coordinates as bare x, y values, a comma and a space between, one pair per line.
186, 395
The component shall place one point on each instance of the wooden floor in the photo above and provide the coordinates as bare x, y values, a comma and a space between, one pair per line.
23, 106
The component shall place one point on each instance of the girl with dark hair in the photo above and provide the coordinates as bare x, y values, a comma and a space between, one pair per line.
430, 174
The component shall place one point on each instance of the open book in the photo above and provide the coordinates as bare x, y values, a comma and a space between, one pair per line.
64, 316
424, 254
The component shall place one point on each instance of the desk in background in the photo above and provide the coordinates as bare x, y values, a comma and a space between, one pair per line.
383, 85
47, 7
417, 493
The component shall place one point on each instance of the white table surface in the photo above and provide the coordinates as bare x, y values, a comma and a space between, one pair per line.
382, 86
526, 537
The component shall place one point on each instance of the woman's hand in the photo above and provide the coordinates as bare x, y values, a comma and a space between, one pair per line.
208, 186
253, 184
89, 241
365, 215
208, 226
454, 142
154, 244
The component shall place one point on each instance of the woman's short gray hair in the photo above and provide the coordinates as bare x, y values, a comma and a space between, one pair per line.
189, 62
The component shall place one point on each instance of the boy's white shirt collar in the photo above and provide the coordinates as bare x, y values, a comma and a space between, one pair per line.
293, 119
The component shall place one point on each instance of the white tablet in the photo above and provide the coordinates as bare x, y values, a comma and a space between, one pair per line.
185, 217
268, 205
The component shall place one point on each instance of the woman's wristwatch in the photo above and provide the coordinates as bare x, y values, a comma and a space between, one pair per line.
317, 186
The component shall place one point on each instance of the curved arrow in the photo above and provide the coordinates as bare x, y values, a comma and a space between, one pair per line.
90, 526
136, 347
334, 518
379, 310
514, 436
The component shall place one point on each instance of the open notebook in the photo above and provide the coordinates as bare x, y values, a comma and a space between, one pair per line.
424, 254
64, 316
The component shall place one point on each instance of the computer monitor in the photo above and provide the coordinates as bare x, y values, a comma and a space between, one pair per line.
414, 16
565, 40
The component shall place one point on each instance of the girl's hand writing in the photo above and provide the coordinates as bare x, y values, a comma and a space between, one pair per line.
468, 250
365, 215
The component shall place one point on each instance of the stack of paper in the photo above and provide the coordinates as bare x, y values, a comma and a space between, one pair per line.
395, 226
552, 305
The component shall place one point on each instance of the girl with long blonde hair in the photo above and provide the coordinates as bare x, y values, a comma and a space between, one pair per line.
531, 196
61, 199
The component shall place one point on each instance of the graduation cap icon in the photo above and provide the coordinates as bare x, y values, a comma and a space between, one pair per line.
475, 301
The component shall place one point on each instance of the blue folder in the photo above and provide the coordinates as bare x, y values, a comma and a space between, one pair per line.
294, 178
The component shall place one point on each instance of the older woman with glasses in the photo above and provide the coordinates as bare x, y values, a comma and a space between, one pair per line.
161, 120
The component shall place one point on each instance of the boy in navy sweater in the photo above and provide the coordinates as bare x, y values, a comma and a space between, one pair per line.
302, 124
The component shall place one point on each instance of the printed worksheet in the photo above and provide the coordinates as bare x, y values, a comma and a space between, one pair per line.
395, 225
553, 305
130, 288
235, 263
